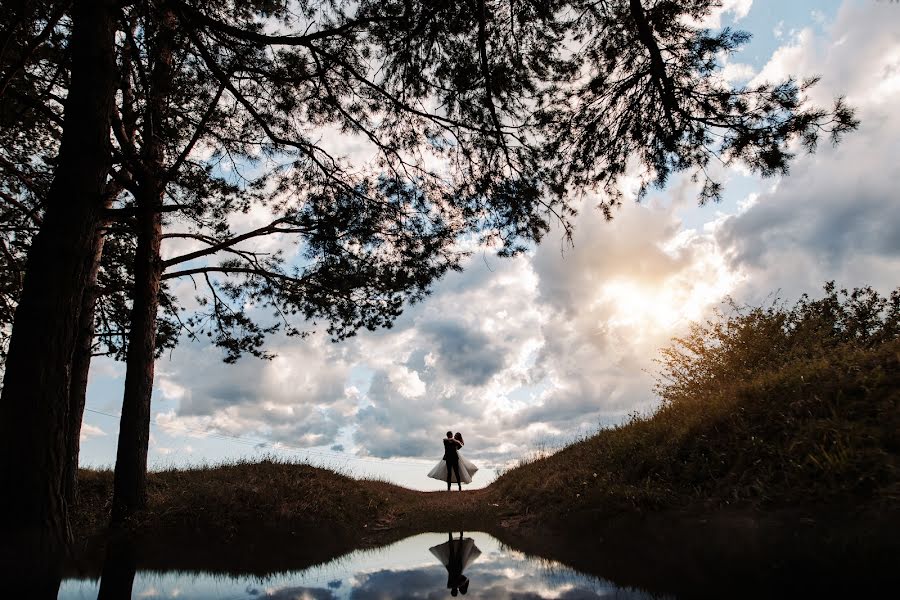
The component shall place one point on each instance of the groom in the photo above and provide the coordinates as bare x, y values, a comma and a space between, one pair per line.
451, 457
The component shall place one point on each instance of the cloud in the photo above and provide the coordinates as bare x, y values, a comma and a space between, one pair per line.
297, 398
467, 355
837, 216
735, 9
293, 593
89, 431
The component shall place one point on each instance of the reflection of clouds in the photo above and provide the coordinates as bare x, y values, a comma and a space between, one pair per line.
428, 582
513, 579
404, 570
502, 575
298, 593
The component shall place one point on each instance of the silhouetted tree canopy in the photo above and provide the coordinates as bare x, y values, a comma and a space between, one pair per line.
472, 117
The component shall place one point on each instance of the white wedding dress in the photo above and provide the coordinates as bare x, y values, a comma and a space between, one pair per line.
467, 549
466, 470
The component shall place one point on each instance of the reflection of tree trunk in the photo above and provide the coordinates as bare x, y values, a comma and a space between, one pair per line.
34, 402
38, 580
119, 567
129, 488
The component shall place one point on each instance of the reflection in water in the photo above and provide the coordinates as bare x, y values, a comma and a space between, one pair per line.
406, 569
456, 555
119, 569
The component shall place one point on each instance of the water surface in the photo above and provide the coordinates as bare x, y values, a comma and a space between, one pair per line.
430, 565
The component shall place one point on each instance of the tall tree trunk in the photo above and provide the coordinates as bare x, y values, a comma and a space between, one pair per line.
81, 366
81, 360
34, 401
130, 481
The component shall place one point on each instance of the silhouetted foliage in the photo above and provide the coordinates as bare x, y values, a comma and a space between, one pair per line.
646, 84
747, 341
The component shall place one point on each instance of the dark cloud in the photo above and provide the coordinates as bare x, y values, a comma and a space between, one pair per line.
464, 353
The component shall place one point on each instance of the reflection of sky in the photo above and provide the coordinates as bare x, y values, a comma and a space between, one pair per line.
405, 569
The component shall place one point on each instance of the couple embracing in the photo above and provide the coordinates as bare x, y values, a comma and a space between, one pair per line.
454, 467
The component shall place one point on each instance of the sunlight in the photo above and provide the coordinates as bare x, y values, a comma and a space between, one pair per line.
651, 309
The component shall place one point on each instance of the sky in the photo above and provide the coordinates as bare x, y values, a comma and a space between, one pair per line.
523, 355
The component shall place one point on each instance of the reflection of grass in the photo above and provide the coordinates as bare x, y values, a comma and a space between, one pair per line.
777, 406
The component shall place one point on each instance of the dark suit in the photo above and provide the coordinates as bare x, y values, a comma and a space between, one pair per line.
452, 459
456, 581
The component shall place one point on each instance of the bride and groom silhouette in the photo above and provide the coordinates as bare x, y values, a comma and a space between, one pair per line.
456, 555
453, 467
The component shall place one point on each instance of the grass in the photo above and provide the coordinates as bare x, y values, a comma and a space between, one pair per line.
274, 497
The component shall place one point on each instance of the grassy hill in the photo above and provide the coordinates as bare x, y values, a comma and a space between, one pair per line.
812, 433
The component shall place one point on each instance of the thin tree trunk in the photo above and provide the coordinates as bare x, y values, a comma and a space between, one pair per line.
130, 481
81, 366
34, 401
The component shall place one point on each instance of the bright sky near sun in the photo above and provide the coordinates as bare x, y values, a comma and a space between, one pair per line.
524, 354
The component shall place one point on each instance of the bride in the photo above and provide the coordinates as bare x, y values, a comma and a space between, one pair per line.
466, 467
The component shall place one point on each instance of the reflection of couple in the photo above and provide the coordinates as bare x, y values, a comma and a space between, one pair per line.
453, 467
456, 555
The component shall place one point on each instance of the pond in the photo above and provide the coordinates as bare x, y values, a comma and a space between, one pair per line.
431, 565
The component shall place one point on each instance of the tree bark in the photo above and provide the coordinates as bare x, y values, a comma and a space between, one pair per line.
81, 366
34, 401
130, 481
81, 360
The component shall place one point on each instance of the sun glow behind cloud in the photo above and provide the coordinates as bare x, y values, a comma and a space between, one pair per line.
648, 310
643, 309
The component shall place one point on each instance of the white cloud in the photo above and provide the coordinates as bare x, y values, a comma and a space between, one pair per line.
89, 431
837, 216
735, 9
